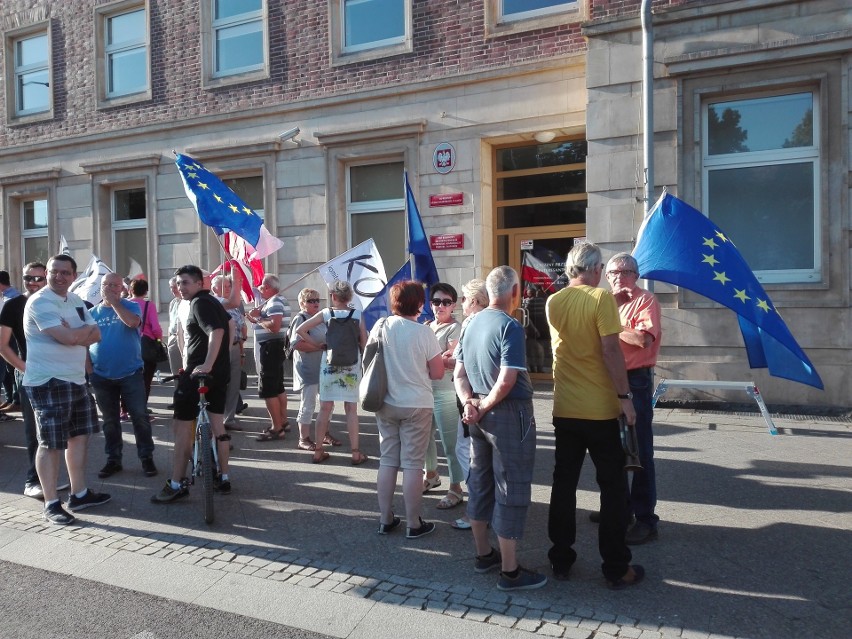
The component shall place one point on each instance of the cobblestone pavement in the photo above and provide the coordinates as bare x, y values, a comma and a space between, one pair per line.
755, 531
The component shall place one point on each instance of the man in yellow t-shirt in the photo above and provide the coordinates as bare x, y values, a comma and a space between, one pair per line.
590, 392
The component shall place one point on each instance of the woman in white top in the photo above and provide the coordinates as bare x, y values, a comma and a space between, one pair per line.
337, 383
412, 359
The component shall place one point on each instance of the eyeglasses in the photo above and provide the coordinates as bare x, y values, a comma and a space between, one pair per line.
34, 278
437, 302
619, 273
313, 300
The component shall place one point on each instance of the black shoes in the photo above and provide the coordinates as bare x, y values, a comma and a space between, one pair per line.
56, 514
640, 533
384, 529
220, 485
110, 469
148, 467
241, 408
169, 494
636, 574
91, 498
425, 528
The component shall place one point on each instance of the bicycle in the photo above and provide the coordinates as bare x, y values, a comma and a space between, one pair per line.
205, 456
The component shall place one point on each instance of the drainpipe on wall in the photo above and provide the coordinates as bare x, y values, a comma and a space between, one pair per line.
648, 110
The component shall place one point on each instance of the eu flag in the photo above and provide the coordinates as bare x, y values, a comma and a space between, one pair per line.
380, 306
679, 245
424, 269
220, 208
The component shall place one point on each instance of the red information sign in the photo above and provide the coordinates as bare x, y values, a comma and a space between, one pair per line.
446, 242
446, 199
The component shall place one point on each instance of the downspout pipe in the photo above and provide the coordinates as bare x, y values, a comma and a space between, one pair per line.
648, 102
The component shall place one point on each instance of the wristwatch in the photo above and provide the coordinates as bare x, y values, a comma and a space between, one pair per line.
628, 396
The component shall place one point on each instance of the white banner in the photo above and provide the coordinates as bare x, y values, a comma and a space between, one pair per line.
362, 267
88, 283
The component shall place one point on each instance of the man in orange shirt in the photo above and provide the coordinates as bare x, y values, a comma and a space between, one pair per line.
639, 311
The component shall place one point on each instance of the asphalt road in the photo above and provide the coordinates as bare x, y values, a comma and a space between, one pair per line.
45, 605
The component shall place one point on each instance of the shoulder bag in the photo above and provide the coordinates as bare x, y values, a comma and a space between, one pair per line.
374, 383
153, 350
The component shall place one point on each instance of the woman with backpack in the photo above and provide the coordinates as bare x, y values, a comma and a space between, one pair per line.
340, 372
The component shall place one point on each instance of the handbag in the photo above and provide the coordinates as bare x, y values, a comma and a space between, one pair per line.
373, 387
153, 350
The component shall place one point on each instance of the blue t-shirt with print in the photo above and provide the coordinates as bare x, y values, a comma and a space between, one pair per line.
119, 353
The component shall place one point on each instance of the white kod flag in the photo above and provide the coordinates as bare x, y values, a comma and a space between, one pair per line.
362, 267
88, 283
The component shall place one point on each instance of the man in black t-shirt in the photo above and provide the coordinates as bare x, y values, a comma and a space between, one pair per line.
12, 326
205, 342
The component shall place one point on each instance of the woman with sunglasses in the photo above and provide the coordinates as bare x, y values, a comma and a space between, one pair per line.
445, 415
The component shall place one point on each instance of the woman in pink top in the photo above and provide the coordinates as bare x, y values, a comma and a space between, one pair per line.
150, 325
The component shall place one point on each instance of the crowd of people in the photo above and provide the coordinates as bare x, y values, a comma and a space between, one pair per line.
468, 383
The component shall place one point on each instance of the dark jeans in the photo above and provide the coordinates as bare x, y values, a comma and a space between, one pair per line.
109, 394
643, 489
602, 439
29, 429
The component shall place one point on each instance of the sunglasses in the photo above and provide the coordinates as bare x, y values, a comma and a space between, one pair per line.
34, 278
313, 300
437, 302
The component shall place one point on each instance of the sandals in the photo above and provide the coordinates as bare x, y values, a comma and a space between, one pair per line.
431, 482
328, 440
270, 434
358, 457
286, 426
460, 524
450, 500
306, 444
318, 459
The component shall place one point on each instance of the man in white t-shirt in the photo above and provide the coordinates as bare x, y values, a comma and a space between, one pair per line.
59, 329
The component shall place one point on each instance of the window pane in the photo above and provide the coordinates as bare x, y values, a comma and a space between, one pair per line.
373, 20
370, 182
249, 190
126, 28
229, 8
768, 212
129, 205
562, 183
540, 155
34, 91
36, 250
522, 6
388, 232
778, 122
35, 215
131, 245
128, 71
512, 217
239, 47
32, 51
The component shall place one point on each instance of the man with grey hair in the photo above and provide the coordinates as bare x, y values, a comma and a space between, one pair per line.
590, 393
269, 318
494, 386
639, 339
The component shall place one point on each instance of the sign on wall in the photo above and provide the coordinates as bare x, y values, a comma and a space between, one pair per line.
444, 158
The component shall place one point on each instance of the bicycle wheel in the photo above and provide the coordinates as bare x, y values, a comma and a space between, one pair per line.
208, 470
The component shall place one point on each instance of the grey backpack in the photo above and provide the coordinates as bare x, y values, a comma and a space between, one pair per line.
343, 340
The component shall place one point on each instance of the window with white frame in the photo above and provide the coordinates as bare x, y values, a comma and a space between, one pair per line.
126, 52
32, 74
375, 206
35, 245
523, 9
761, 177
129, 231
238, 36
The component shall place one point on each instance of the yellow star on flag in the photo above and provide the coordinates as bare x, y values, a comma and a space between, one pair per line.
709, 259
708, 241
192, 175
202, 185
235, 209
762, 304
721, 236
741, 295
247, 210
218, 198
721, 277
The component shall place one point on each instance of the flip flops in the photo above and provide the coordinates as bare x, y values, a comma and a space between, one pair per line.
460, 524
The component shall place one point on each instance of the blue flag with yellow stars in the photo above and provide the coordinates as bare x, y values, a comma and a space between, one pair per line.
424, 269
222, 209
679, 245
